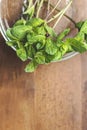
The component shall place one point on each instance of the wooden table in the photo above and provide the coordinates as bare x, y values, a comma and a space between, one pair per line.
52, 98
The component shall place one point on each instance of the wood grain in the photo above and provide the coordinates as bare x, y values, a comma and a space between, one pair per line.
16, 93
58, 96
54, 97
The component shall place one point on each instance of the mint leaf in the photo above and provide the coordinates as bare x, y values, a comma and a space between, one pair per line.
39, 58
40, 45
30, 50
57, 56
40, 30
77, 45
59, 43
33, 38
12, 44
31, 67
9, 34
30, 11
48, 58
84, 27
80, 36
63, 34
20, 31
49, 30
20, 22
50, 47
35, 22
64, 48
21, 53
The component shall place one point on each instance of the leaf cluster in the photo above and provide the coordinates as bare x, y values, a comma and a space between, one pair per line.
35, 40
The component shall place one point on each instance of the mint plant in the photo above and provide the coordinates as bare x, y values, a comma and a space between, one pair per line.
34, 39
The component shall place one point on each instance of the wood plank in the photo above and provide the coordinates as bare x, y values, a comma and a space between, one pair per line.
53, 97
16, 93
84, 90
50, 98
58, 96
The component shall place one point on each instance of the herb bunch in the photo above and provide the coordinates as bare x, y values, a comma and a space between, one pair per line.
34, 39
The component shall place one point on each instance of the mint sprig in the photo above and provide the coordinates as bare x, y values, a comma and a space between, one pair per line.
34, 39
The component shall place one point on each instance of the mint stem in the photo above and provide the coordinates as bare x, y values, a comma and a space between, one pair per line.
53, 9
65, 15
40, 5
54, 17
63, 12
48, 8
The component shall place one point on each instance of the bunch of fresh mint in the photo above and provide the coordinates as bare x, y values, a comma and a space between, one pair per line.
34, 39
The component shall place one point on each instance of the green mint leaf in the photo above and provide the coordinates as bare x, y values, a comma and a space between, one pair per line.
48, 58
9, 34
31, 67
77, 45
50, 47
33, 38
64, 48
30, 50
30, 11
20, 31
80, 36
39, 58
57, 56
12, 44
40, 30
20, 22
70, 49
49, 30
63, 34
59, 43
83, 31
40, 45
84, 28
35, 22
21, 53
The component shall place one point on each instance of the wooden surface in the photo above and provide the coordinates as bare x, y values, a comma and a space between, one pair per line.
52, 98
